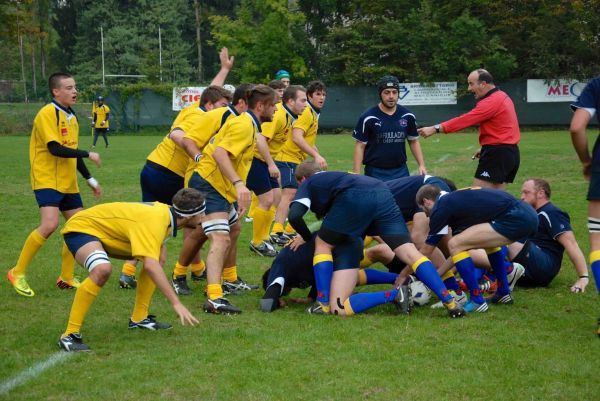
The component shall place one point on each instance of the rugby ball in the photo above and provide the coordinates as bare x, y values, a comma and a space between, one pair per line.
419, 293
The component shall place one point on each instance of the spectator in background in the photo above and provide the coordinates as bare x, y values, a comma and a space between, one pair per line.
283, 76
499, 132
100, 115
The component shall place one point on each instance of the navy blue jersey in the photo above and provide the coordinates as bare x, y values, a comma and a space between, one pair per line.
552, 223
465, 208
589, 99
405, 191
385, 136
318, 191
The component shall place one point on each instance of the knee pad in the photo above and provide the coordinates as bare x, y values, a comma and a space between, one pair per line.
216, 226
94, 259
593, 225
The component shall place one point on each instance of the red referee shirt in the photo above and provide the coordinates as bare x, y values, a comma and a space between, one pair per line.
497, 119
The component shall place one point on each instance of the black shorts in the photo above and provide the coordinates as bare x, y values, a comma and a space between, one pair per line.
498, 163
594, 188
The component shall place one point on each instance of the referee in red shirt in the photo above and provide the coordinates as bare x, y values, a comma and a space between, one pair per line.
499, 132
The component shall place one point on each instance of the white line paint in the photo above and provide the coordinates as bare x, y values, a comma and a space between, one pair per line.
443, 158
33, 371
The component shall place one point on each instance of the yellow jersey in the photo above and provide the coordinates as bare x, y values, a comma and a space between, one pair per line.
238, 138
126, 229
185, 111
101, 113
201, 130
277, 131
53, 123
308, 122
167, 153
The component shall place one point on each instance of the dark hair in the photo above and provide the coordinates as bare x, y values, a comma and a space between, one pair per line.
541, 184
241, 93
188, 199
291, 92
485, 76
276, 84
306, 169
213, 94
315, 86
54, 80
261, 94
428, 191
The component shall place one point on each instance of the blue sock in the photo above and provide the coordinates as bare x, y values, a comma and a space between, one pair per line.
497, 257
595, 265
451, 283
374, 276
478, 273
323, 270
464, 265
366, 300
425, 271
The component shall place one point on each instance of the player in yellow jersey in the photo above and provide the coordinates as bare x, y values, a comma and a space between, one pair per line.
169, 155
263, 178
100, 115
297, 148
163, 174
124, 230
54, 160
194, 142
221, 176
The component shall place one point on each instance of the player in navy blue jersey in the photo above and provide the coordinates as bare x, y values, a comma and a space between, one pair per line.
586, 106
541, 255
479, 218
381, 133
353, 206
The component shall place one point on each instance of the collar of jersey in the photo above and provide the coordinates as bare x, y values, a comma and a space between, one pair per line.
287, 110
233, 109
314, 108
69, 112
255, 121
173, 224
202, 108
489, 93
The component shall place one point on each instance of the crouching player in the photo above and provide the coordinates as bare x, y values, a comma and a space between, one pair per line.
353, 206
479, 218
127, 230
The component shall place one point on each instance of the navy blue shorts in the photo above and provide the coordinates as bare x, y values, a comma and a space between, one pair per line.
259, 180
519, 221
215, 202
51, 197
159, 184
287, 171
75, 241
357, 212
540, 267
387, 174
594, 188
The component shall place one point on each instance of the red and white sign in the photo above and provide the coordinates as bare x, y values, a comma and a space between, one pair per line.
184, 97
554, 90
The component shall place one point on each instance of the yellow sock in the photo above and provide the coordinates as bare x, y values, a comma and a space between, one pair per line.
365, 262
266, 231
277, 228
289, 229
447, 275
260, 225
362, 277
230, 273
273, 209
253, 206
143, 296
179, 270
214, 291
348, 307
67, 269
198, 268
128, 269
368, 240
84, 298
32, 245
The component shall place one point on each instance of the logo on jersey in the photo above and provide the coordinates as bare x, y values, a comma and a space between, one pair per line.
64, 131
485, 174
403, 122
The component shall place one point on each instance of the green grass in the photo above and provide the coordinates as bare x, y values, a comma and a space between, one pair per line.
541, 348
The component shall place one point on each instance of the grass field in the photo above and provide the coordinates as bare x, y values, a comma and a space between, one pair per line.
543, 347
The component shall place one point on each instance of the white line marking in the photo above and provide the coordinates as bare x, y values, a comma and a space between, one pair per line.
443, 158
33, 371
315, 226
470, 147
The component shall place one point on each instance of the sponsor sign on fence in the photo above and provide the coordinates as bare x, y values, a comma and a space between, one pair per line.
427, 93
556, 90
184, 97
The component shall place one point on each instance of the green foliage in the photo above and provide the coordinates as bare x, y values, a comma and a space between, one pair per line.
264, 36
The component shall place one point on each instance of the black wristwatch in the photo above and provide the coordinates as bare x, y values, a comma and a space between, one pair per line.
437, 128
